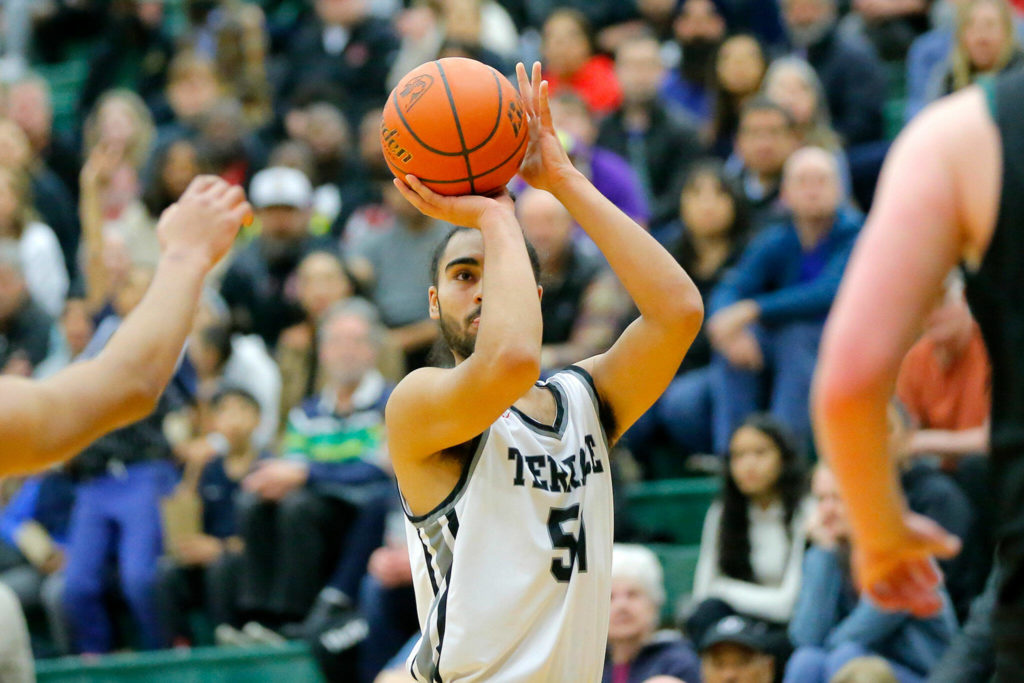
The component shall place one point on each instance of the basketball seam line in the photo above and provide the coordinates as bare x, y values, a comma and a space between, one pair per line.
458, 126
393, 101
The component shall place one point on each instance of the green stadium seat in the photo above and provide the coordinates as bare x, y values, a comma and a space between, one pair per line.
672, 510
292, 662
679, 563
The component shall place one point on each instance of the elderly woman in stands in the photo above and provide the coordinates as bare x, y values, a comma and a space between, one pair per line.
637, 650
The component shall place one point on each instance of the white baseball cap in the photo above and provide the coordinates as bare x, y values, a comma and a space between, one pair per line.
281, 186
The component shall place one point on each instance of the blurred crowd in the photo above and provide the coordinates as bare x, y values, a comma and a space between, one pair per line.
257, 505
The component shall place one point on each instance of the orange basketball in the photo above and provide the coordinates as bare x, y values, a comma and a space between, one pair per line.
456, 124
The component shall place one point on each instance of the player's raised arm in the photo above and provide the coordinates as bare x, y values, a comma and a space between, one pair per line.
635, 371
919, 228
42, 422
432, 408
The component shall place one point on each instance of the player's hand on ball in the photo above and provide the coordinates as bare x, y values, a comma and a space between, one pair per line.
469, 210
907, 579
203, 223
546, 164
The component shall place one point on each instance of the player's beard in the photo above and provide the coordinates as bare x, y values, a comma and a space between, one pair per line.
460, 340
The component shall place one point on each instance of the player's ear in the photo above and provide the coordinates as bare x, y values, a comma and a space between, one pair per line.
435, 309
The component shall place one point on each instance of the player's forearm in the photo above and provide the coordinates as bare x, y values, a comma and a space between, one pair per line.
659, 287
510, 320
851, 427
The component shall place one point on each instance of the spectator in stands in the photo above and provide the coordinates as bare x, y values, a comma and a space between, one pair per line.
24, 326
321, 282
480, 30
33, 538
737, 650
928, 57
173, 168
890, 27
134, 54
740, 66
51, 199
338, 176
341, 43
865, 670
202, 568
221, 360
767, 136
699, 28
393, 263
971, 653
792, 83
571, 61
118, 139
637, 650
16, 663
75, 329
933, 493
659, 144
121, 478
945, 381
256, 285
706, 242
853, 77
753, 538
610, 173
42, 260
229, 147
986, 43
30, 105
582, 303
833, 625
767, 313
193, 87
319, 502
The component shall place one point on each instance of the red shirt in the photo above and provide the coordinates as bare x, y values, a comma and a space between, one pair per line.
595, 83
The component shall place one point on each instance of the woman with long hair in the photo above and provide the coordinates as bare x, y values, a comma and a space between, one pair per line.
986, 43
739, 69
754, 534
706, 241
571, 61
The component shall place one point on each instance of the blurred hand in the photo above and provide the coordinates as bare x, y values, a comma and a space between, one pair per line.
275, 479
98, 169
469, 210
819, 533
742, 350
196, 452
391, 566
906, 578
199, 549
203, 223
546, 165
730, 320
53, 563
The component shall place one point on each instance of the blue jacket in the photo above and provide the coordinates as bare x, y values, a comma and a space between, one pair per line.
667, 654
829, 614
769, 273
47, 499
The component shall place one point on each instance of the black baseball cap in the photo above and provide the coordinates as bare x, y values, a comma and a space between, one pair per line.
739, 630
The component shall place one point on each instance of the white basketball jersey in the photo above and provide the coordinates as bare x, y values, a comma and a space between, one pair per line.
513, 570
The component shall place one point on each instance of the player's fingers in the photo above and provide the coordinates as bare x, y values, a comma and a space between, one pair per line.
241, 214
202, 184
525, 92
535, 82
410, 196
422, 190
545, 107
945, 546
231, 196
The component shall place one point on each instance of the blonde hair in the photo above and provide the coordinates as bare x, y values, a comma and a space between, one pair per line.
960, 62
138, 146
21, 187
865, 670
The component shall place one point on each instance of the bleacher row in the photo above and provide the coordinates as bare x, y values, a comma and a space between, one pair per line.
670, 511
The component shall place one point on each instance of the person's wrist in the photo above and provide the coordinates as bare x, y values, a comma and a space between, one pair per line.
188, 257
565, 180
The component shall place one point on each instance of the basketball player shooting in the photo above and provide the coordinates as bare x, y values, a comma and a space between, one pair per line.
43, 422
506, 480
951, 192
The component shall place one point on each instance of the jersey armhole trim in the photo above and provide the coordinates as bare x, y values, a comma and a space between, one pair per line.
603, 411
456, 492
